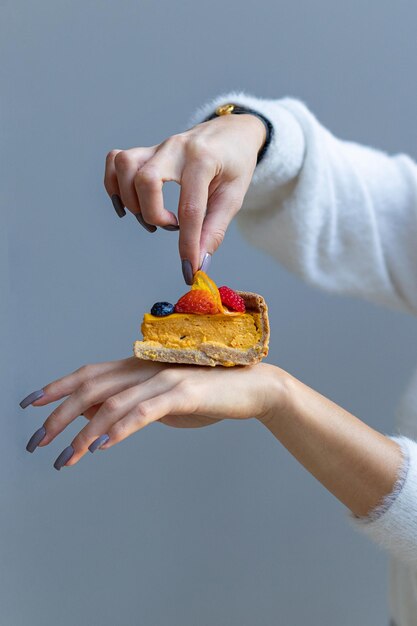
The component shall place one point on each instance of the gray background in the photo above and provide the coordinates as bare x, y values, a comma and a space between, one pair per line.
218, 526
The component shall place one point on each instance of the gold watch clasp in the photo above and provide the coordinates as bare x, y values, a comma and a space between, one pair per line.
225, 109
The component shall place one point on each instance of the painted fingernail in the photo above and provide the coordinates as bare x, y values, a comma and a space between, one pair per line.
32, 397
206, 262
187, 271
149, 227
64, 457
118, 205
100, 441
36, 438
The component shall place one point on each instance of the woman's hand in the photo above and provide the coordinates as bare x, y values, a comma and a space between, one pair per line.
122, 397
213, 162
353, 461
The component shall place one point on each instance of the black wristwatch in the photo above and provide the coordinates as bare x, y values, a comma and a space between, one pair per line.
235, 109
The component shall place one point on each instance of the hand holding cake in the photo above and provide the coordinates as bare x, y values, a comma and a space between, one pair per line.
121, 397
207, 326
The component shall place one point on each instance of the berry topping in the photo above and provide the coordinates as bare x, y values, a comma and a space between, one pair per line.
197, 301
232, 300
161, 309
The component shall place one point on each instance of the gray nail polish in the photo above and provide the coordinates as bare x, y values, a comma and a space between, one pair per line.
187, 271
118, 205
97, 443
64, 457
206, 262
149, 227
36, 438
32, 397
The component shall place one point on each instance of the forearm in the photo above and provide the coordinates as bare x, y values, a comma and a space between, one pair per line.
355, 463
340, 215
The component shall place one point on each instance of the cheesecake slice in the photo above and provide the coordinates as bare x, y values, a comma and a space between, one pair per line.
224, 338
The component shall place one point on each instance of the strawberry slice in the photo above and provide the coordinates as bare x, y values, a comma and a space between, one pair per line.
197, 301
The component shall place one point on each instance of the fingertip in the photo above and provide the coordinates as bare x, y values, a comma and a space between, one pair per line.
39, 403
174, 224
187, 271
118, 205
47, 398
71, 462
205, 262
190, 256
42, 401
33, 397
109, 442
63, 458
149, 227
171, 227
98, 443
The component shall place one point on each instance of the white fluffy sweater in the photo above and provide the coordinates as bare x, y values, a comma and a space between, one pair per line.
344, 217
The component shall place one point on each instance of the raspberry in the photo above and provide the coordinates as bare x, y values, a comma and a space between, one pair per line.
197, 301
231, 299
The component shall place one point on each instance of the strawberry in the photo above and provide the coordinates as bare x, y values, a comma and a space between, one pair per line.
197, 301
231, 299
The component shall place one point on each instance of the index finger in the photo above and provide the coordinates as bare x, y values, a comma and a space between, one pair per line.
64, 386
195, 182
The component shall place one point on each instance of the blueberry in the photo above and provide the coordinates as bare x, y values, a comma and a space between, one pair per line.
160, 309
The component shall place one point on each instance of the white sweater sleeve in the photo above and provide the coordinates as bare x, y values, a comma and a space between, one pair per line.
341, 215
393, 524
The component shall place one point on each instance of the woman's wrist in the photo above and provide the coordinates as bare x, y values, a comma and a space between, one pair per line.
355, 463
231, 110
246, 125
280, 392
258, 127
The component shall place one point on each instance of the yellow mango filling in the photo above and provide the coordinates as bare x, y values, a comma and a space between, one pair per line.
189, 331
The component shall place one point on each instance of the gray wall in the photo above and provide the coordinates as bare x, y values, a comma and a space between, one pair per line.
218, 526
